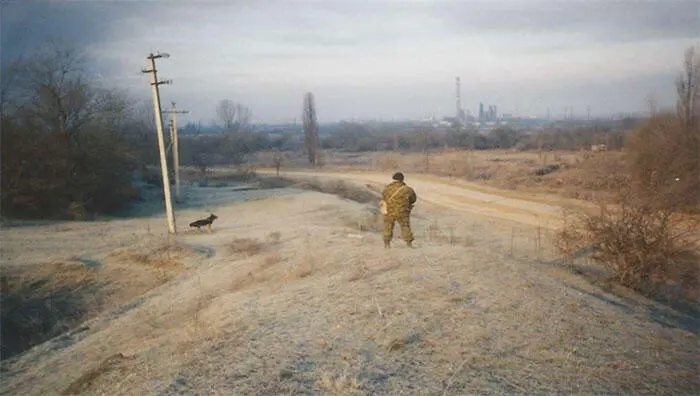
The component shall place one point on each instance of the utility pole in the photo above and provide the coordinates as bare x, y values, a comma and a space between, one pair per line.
176, 150
161, 141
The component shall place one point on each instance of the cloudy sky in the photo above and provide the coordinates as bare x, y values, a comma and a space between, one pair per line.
375, 58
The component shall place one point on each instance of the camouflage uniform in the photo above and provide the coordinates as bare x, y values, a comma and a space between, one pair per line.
399, 210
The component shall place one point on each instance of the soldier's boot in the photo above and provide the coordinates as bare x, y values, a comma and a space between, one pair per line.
387, 244
409, 244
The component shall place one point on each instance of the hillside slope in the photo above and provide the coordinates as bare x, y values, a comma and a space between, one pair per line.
295, 294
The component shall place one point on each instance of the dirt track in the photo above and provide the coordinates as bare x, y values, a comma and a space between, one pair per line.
452, 195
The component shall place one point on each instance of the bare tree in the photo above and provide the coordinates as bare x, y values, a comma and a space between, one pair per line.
425, 135
66, 141
688, 87
234, 116
226, 111
310, 128
652, 104
278, 159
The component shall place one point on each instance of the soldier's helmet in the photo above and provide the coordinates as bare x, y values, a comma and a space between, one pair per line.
398, 176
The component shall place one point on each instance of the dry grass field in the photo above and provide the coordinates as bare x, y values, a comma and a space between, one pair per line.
581, 175
293, 293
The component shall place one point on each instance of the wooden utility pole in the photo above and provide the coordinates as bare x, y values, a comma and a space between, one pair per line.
161, 141
176, 150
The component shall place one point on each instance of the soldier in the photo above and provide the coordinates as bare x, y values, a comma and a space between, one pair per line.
399, 199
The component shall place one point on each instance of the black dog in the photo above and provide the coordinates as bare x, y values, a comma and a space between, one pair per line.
204, 222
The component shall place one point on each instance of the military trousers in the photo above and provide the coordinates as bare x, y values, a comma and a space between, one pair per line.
404, 220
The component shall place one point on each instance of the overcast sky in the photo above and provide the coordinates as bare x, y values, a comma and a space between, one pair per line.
372, 59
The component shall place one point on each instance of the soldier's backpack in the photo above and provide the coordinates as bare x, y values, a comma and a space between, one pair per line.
383, 208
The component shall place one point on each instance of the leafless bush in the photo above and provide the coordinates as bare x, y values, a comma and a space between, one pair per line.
664, 160
369, 221
664, 153
340, 385
274, 237
460, 167
251, 247
386, 162
545, 170
278, 158
341, 189
246, 246
640, 244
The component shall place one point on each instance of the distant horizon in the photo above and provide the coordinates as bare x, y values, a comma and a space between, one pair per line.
394, 59
581, 118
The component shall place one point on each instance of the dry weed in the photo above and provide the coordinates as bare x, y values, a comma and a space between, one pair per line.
339, 385
370, 221
147, 260
342, 189
386, 162
83, 383
270, 260
274, 237
360, 270
246, 246
435, 233
358, 273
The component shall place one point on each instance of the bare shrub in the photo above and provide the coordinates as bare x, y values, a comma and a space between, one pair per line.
664, 153
274, 237
270, 260
278, 158
482, 175
370, 221
349, 191
640, 244
246, 246
167, 256
448, 236
84, 381
664, 159
341, 189
545, 170
386, 162
460, 167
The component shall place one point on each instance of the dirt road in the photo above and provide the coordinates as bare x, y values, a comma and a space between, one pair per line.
451, 195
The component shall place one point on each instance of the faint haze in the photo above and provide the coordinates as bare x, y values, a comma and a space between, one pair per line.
372, 59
